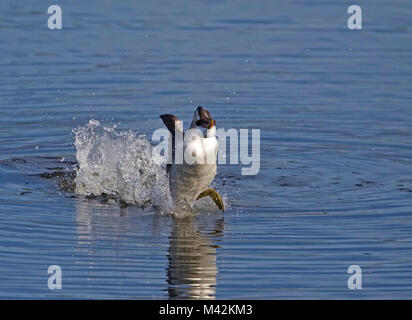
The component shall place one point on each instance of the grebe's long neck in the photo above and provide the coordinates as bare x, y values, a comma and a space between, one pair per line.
211, 133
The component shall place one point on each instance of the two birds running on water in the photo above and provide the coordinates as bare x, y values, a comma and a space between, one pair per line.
189, 182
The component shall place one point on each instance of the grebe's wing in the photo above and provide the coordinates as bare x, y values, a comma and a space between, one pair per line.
173, 124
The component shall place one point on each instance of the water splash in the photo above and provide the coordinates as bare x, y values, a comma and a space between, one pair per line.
119, 164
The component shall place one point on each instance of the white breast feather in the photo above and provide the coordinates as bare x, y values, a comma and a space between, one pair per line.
188, 181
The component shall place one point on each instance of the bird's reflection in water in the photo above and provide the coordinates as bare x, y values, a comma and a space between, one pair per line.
109, 237
192, 267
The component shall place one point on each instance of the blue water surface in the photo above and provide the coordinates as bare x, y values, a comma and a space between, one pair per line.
335, 182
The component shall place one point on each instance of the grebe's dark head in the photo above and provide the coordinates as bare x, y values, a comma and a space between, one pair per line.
203, 118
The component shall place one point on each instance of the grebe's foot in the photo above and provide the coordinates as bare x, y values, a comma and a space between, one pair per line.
215, 197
